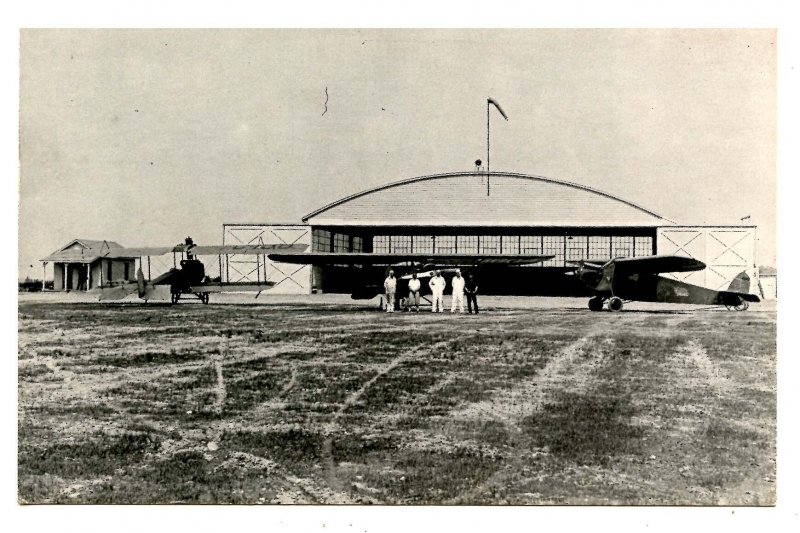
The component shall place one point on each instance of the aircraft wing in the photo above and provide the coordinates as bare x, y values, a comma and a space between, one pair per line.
233, 287
140, 252
248, 249
333, 258
222, 249
656, 264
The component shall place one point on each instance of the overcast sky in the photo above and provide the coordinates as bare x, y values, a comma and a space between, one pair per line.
146, 136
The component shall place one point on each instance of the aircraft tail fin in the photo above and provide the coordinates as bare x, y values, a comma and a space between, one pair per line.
741, 283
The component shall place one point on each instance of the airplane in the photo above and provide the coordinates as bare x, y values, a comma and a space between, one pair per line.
637, 279
425, 265
188, 279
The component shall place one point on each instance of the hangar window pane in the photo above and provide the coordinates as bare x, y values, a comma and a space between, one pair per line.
622, 246
530, 244
643, 246
358, 244
554, 245
510, 244
401, 244
599, 247
489, 244
422, 244
341, 243
576, 247
380, 244
445, 244
467, 244
321, 241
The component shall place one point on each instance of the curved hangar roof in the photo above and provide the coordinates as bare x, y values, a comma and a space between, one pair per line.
459, 199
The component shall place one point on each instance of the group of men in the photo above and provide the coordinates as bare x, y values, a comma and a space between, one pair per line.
461, 287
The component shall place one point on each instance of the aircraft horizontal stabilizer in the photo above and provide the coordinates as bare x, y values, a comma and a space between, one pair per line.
747, 296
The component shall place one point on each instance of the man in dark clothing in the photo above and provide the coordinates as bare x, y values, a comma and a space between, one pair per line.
471, 290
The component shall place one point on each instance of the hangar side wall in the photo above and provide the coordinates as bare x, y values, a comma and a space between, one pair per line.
288, 278
563, 243
726, 251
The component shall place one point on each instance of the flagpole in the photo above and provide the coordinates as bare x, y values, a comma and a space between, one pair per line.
487, 147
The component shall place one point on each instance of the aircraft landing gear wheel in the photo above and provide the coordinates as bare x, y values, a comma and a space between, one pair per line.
741, 306
204, 298
596, 304
615, 304
175, 297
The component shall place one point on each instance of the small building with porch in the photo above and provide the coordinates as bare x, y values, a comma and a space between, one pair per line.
82, 264
768, 282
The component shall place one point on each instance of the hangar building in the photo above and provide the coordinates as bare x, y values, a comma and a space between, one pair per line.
452, 213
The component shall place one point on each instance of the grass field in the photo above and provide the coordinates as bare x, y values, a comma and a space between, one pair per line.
304, 403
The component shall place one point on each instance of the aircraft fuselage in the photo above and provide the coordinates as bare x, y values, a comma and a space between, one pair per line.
654, 288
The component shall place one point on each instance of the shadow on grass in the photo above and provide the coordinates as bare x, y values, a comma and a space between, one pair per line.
585, 429
434, 477
188, 393
290, 446
185, 477
89, 458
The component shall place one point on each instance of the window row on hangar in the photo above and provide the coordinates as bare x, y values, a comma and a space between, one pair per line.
564, 247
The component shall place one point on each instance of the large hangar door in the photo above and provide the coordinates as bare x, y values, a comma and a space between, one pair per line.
289, 279
726, 251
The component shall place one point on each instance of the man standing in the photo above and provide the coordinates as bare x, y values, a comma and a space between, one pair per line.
413, 292
458, 293
471, 288
437, 284
390, 285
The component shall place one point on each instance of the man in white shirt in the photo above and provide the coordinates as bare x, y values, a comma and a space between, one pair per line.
437, 285
413, 292
390, 285
458, 293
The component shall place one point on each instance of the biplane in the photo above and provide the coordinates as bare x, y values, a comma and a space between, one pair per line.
403, 265
188, 277
637, 279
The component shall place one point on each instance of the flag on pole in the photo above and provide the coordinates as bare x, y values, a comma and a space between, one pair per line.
491, 101
500, 109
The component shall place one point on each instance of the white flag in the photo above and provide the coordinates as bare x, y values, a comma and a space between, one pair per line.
498, 108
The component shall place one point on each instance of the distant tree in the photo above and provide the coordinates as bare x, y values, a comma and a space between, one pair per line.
30, 285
